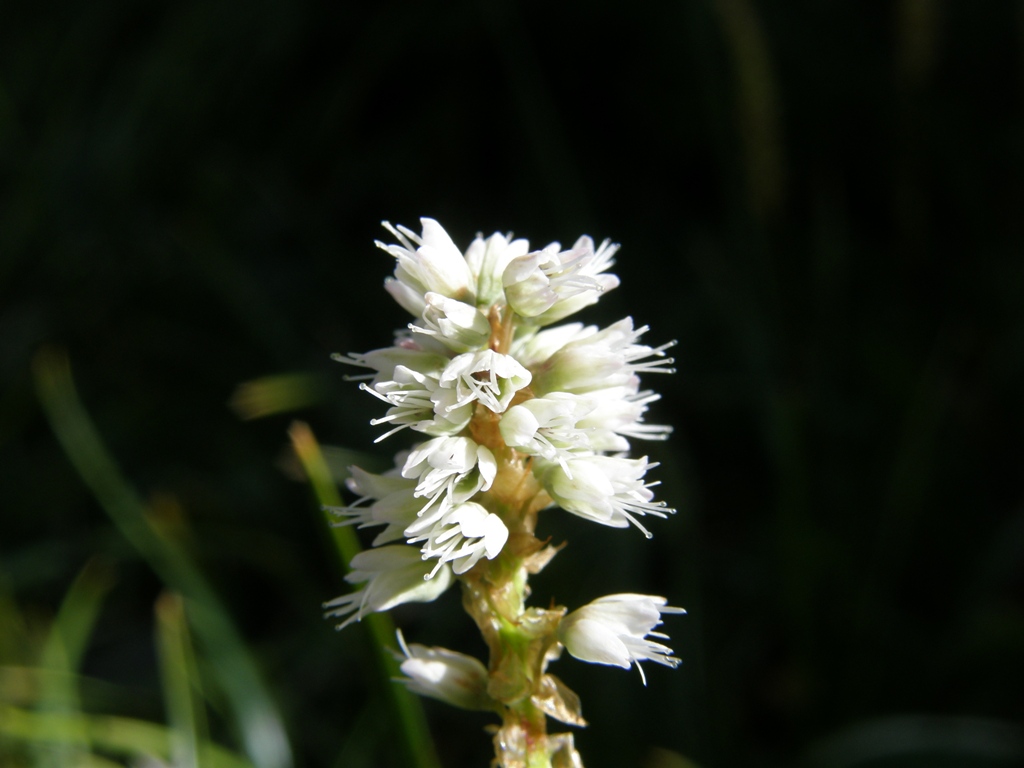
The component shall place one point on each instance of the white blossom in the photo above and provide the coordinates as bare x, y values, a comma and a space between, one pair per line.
487, 376
427, 262
550, 284
599, 359
534, 347
487, 260
412, 354
606, 489
616, 414
447, 676
373, 486
450, 469
614, 630
547, 426
418, 401
395, 574
459, 326
387, 499
460, 536
452, 530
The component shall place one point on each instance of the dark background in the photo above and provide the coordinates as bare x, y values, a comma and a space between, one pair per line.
821, 201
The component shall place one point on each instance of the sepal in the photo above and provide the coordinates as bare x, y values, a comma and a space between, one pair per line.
559, 701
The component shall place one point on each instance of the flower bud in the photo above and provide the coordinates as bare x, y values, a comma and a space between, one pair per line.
447, 676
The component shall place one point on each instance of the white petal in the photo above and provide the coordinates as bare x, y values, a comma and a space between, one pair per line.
592, 641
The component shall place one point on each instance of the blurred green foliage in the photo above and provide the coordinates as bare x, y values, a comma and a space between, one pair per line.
821, 201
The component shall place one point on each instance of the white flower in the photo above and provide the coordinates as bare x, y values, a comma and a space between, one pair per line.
459, 326
614, 630
461, 536
560, 423
454, 531
617, 413
487, 260
548, 285
533, 347
394, 503
395, 574
413, 354
427, 262
600, 359
487, 376
450, 469
371, 486
447, 676
419, 401
528, 281
547, 426
606, 489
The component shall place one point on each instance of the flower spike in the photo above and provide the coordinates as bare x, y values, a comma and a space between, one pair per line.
513, 414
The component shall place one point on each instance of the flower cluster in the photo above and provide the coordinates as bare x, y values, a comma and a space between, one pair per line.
518, 415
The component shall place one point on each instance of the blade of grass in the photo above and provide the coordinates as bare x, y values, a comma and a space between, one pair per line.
261, 730
276, 394
95, 761
76, 618
62, 653
13, 640
757, 106
310, 454
371, 725
122, 736
179, 678
407, 708
20, 685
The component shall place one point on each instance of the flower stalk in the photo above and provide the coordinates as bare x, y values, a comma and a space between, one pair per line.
520, 417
